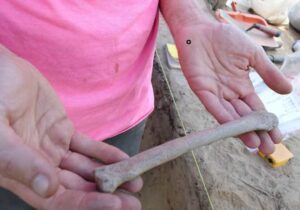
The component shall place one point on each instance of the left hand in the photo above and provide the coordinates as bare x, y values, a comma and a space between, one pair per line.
216, 64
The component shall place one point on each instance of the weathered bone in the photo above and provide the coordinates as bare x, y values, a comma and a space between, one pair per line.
110, 177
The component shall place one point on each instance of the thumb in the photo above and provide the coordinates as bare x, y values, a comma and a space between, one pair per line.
24, 164
270, 73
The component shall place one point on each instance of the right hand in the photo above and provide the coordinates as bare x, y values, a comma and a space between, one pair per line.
42, 158
221, 79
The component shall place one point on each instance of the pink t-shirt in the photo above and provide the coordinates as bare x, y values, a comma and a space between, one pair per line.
96, 54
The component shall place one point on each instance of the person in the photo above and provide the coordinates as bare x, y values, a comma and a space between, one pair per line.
94, 60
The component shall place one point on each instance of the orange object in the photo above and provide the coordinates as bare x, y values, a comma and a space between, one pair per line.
279, 157
246, 21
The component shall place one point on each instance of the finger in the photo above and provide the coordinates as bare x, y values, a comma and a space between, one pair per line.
98, 150
269, 73
229, 107
133, 185
214, 106
261, 139
276, 135
85, 167
70, 199
81, 165
25, 165
106, 153
129, 202
250, 139
266, 146
94, 201
254, 102
72, 181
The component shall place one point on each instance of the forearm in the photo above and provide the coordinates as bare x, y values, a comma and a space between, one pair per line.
179, 13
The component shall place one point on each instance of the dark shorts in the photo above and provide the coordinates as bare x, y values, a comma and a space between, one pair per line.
128, 141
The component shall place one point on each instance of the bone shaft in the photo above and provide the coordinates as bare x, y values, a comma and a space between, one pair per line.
168, 151
129, 169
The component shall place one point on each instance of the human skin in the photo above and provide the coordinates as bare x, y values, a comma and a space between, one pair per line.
216, 63
42, 158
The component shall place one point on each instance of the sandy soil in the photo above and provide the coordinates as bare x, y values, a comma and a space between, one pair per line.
235, 179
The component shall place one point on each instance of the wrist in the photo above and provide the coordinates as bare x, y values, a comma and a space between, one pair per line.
186, 14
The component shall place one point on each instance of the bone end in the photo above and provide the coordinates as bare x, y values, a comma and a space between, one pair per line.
105, 181
265, 120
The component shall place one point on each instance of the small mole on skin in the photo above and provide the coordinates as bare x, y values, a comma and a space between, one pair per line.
116, 68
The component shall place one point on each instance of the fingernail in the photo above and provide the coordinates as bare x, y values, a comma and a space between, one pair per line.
40, 185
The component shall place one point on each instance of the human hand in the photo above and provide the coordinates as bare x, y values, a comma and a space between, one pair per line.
216, 63
42, 158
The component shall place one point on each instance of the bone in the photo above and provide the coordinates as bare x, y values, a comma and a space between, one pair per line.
110, 177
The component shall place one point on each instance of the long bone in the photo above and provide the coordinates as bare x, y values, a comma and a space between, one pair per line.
110, 177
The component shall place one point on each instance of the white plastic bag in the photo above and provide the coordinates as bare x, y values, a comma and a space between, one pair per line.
294, 16
274, 11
